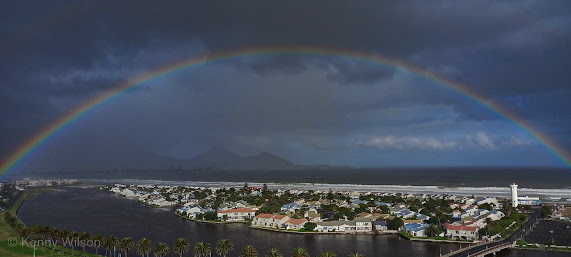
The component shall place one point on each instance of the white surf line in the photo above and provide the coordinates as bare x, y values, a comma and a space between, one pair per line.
407, 189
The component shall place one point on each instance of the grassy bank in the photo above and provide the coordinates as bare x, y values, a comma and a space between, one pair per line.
19, 250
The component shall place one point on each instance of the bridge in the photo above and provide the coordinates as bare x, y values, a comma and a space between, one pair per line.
481, 250
493, 247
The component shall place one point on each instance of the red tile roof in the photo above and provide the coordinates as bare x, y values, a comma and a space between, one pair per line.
278, 217
296, 221
264, 215
461, 227
236, 210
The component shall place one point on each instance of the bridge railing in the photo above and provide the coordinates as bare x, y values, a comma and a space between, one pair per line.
502, 246
468, 248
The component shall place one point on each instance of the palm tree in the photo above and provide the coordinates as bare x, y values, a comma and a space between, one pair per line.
84, 236
300, 252
356, 255
72, 242
327, 253
110, 244
181, 246
98, 240
107, 247
202, 249
126, 244
223, 247
249, 251
144, 247
161, 250
54, 234
64, 235
274, 252
432, 230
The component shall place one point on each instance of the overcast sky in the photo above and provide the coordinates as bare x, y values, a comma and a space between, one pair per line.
307, 108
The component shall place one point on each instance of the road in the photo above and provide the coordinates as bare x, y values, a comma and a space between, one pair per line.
534, 217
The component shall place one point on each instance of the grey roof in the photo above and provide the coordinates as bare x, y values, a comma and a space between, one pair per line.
336, 223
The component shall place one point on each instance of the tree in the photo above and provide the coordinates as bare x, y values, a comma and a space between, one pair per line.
300, 252
395, 223
109, 244
356, 255
97, 241
274, 252
144, 246
328, 253
486, 206
245, 185
249, 251
432, 230
210, 215
126, 244
545, 211
202, 249
264, 188
161, 250
181, 246
54, 234
72, 235
64, 234
223, 247
84, 237
309, 226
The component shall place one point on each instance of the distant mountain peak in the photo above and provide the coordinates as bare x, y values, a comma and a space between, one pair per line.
220, 150
219, 157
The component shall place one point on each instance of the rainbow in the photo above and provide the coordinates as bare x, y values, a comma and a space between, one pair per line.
59, 124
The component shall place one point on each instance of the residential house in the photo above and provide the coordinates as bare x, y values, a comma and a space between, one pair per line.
236, 214
380, 225
336, 226
363, 225
489, 200
422, 217
415, 229
562, 213
269, 220
462, 232
294, 224
291, 207
312, 215
192, 211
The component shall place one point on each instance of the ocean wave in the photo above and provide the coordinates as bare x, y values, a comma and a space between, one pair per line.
407, 189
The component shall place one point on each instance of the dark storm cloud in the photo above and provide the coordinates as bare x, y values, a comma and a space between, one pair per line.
60, 52
391, 28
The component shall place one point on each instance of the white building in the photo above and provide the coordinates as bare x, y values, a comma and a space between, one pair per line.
269, 220
514, 195
526, 200
336, 226
363, 225
236, 214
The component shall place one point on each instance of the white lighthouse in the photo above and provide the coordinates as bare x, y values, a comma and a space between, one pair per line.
514, 194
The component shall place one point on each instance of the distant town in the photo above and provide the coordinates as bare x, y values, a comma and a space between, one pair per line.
418, 217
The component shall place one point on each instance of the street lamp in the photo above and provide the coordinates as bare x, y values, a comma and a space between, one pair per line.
552, 242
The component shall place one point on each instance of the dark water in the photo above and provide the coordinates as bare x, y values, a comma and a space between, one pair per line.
465, 176
98, 211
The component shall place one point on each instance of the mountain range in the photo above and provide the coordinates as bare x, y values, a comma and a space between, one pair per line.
222, 158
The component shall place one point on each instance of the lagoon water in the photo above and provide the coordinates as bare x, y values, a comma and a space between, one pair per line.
97, 211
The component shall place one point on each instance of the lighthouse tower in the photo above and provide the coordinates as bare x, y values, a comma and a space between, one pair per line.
514, 194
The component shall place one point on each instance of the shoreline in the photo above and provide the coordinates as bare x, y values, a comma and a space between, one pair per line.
489, 191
